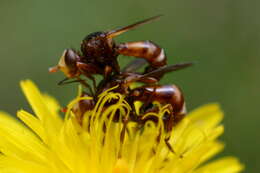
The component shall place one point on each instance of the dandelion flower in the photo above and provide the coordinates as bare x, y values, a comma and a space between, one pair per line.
48, 143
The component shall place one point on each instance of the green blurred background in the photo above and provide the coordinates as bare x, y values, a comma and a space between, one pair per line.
222, 36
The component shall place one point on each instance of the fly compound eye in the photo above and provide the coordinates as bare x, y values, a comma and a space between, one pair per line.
68, 63
71, 58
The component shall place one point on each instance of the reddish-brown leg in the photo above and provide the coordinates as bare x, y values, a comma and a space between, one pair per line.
107, 71
88, 70
84, 83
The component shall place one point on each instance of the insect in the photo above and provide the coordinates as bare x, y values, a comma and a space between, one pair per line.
169, 95
164, 94
123, 81
99, 54
125, 78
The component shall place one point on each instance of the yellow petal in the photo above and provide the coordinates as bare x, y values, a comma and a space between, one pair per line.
207, 116
16, 165
50, 122
54, 108
34, 123
224, 165
35, 99
19, 141
121, 167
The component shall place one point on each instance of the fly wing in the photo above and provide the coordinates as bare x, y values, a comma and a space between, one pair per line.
116, 32
134, 65
166, 69
153, 76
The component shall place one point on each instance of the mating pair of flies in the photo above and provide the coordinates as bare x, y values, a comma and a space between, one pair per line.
99, 54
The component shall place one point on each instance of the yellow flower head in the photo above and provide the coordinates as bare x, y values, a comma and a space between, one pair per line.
51, 144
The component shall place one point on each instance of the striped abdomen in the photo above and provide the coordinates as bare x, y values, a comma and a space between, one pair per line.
144, 49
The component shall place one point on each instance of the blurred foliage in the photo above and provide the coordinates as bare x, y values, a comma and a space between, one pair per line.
221, 36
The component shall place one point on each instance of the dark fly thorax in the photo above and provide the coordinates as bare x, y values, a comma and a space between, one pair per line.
97, 48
